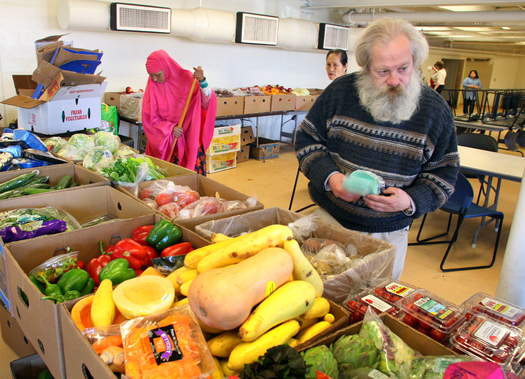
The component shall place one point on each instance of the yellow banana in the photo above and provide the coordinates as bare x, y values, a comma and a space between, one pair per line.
223, 344
312, 331
173, 278
320, 308
217, 373
194, 257
249, 352
226, 370
245, 246
290, 300
302, 268
185, 276
329, 318
184, 288
219, 237
103, 306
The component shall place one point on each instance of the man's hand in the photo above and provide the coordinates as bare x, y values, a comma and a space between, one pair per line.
336, 185
398, 200
177, 132
198, 74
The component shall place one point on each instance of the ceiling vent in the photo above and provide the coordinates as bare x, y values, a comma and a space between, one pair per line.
256, 29
140, 18
333, 37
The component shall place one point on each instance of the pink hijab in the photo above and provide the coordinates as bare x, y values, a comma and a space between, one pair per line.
162, 108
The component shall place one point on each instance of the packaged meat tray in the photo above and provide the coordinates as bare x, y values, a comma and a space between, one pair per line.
495, 308
431, 315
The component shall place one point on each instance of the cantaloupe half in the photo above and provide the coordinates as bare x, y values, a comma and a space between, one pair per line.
143, 295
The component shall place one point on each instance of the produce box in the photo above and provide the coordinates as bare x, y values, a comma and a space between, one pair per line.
40, 320
170, 168
375, 266
282, 103
247, 135
243, 155
205, 187
257, 104
79, 203
221, 162
28, 367
267, 149
304, 103
113, 98
416, 340
79, 356
230, 106
86, 178
225, 140
12, 334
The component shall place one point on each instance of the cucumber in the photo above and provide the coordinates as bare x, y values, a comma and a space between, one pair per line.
74, 184
39, 185
34, 191
18, 181
64, 182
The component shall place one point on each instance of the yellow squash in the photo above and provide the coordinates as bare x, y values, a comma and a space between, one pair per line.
302, 268
103, 307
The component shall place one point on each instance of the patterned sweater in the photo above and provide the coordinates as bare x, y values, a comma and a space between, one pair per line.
419, 155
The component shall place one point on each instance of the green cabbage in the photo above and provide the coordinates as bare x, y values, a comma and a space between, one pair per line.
108, 140
82, 142
54, 144
98, 155
123, 151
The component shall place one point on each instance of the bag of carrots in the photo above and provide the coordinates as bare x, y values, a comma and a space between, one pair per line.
107, 342
166, 344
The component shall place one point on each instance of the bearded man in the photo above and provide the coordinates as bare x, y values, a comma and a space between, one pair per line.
383, 120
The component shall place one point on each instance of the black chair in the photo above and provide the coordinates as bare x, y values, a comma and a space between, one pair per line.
460, 204
483, 142
293, 194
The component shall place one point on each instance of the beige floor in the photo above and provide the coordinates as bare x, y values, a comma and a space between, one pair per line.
272, 182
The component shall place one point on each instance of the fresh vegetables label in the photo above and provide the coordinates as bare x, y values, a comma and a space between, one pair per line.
270, 287
441, 364
398, 289
491, 333
164, 345
375, 374
376, 302
434, 308
500, 308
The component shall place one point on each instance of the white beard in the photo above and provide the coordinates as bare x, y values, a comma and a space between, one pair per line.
387, 103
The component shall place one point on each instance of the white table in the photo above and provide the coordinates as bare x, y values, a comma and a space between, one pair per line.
494, 165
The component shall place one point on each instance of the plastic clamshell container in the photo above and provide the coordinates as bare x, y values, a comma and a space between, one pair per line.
430, 314
495, 308
488, 339
359, 303
393, 291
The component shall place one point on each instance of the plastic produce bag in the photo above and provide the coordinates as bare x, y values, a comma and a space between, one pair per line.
167, 344
363, 183
110, 141
99, 155
55, 144
430, 367
131, 106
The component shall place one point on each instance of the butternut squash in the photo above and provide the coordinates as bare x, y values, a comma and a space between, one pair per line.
223, 298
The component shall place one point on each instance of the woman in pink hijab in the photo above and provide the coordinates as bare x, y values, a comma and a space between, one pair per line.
164, 99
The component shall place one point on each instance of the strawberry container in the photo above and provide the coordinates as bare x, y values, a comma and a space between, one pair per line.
430, 314
494, 308
488, 339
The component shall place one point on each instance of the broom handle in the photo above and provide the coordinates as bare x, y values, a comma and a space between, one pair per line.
183, 115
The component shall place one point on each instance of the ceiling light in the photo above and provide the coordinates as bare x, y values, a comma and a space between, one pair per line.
505, 27
466, 8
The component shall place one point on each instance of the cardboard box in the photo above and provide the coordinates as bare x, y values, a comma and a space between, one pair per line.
267, 149
243, 155
374, 266
206, 187
257, 104
225, 140
247, 135
170, 168
86, 178
113, 98
282, 103
28, 367
83, 204
40, 320
304, 103
221, 162
230, 106
12, 334
416, 340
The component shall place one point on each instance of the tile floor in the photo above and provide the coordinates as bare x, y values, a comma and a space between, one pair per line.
272, 182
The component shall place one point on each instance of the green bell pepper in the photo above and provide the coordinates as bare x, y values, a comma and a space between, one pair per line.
73, 280
163, 235
89, 288
46, 374
117, 271
51, 289
56, 298
70, 295
38, 284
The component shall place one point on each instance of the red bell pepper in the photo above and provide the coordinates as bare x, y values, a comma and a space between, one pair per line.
97, 264
140, 233
182, 248
152, 253
81, 264
133, 252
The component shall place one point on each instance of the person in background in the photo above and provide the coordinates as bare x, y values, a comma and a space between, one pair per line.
382, 120
440, 74
166, 92
469, 97
336, 63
